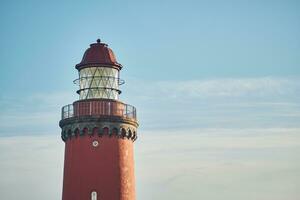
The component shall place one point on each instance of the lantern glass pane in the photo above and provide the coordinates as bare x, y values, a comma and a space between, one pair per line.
99, 82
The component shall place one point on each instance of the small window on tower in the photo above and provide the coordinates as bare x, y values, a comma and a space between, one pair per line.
94, 195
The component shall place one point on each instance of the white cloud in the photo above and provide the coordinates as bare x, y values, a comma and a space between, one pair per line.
215, 164
221, 102
34, 114
227, 103
31, 167
219, 164
221, 87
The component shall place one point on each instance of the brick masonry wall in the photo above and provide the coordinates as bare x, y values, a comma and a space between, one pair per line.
107, 168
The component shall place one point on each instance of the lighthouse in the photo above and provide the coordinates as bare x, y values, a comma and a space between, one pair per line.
98, 131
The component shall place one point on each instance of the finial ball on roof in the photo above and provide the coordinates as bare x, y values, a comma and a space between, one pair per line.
98, 40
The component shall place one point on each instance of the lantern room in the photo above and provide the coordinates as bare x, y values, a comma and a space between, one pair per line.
99, 73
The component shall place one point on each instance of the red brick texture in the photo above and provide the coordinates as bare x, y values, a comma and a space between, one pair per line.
107, 168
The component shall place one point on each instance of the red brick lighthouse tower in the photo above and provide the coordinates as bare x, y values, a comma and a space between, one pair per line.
98, 131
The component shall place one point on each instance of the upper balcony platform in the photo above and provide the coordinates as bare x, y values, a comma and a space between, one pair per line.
99, 108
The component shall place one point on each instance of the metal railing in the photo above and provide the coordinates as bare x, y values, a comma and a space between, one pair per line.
67, 111
99, 109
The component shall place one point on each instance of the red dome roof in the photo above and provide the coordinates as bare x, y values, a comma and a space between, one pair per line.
99, 54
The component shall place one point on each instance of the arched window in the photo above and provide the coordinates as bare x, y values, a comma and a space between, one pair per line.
94, 195
105, 131
134, 136
77, 132
129, 135
69, 133
115, 131
85, 130
123, 132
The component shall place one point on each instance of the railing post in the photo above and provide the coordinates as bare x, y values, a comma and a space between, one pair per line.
90, 107
108, 108
69, 111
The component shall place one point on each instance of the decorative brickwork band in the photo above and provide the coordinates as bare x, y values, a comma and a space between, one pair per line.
121, 131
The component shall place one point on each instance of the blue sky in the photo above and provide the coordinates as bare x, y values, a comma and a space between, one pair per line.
220, 78
156, 40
